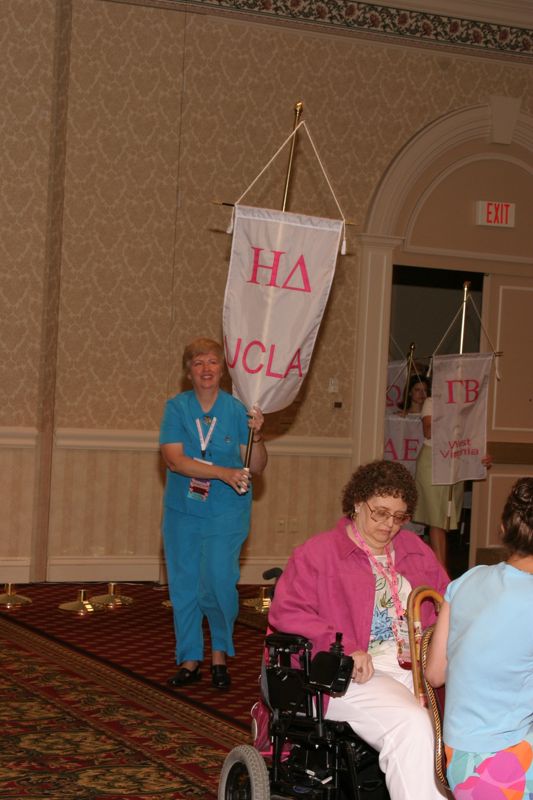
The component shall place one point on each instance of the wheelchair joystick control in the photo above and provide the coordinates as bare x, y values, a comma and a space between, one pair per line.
331, 670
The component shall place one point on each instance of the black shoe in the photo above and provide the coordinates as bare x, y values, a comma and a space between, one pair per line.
185, 676
220, 676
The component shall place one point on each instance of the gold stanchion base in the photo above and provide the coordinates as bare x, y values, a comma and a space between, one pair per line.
82, 607
260, 604
166, 604
10, 598
111, 599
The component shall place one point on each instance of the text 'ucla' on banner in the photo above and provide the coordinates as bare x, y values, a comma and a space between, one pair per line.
279, 278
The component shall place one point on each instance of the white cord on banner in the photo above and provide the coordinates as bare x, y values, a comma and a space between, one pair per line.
450, 326
397, 346
276, 154
498, 376
469, 297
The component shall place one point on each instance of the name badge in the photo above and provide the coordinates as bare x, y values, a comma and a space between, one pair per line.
199, 487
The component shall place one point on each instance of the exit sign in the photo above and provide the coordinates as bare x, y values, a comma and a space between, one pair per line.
495, 214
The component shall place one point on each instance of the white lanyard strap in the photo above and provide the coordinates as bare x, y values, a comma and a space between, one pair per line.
204, 440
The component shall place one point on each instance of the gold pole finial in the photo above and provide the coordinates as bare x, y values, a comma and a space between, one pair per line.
298, 110
466, 288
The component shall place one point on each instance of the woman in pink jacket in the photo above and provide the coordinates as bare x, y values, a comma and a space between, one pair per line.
356, 578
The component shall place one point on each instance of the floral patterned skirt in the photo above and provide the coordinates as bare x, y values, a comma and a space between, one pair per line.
505, 775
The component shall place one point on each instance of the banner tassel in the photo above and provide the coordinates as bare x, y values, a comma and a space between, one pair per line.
229, 229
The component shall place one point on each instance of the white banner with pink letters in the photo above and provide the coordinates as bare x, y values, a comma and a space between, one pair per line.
459, 419
280, 274
396, 375
403, 439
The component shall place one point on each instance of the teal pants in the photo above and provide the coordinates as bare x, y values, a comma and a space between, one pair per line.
202, 559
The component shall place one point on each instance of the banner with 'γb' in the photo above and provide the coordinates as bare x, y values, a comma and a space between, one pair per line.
459, 418
280, 274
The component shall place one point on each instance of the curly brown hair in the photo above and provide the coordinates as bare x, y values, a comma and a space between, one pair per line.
382, 478
517, 518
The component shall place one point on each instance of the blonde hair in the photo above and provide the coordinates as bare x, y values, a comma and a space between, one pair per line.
198, 347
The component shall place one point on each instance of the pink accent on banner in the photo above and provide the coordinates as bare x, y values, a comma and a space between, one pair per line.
279, 278
459, 416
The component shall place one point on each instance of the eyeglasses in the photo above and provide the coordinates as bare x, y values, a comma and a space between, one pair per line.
382, 515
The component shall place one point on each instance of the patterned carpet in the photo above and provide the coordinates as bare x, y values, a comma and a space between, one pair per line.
85, 709
138, 640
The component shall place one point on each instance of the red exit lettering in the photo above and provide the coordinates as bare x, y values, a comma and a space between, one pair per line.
495, 214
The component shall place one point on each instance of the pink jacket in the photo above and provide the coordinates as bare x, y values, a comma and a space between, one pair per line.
328, 586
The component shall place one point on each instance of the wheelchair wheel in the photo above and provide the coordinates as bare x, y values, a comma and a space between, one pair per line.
244, 775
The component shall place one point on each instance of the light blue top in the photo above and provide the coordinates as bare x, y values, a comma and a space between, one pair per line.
489, 681
230, 432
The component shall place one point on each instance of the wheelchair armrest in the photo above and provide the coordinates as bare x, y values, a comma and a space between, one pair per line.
288, 642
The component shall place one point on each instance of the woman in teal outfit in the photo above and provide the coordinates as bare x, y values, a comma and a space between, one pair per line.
207, 504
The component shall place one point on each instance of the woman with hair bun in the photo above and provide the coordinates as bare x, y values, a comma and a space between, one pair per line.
483, 648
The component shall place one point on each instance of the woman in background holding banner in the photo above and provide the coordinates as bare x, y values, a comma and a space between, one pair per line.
207, 505
483, 648
439, 505
414, 395
434, 502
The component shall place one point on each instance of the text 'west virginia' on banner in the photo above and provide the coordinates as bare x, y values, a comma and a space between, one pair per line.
459, 420
280, 273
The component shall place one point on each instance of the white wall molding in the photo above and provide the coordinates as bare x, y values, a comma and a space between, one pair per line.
470, 254
71, 569
372, 345
19, 437
314, 446
102, 439
103, 568
252, 568
127, 440
14, 570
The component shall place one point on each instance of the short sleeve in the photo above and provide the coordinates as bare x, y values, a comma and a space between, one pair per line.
172, 428
427, 408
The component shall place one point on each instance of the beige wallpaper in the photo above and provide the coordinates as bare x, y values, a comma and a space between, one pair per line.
26, 87
122, 123
168, 111
120, 211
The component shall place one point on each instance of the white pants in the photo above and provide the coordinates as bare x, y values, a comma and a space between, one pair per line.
387, 715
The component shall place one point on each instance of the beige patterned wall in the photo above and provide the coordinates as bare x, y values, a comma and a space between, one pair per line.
26, 87
160, 113
123, 144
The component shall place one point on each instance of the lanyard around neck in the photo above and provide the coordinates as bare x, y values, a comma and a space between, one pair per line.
389, 574
204, 440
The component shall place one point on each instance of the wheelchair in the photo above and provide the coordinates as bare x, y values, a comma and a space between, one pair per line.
297, 753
